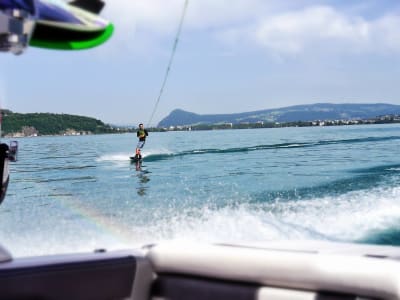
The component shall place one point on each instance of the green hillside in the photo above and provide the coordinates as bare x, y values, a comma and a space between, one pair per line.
52, 124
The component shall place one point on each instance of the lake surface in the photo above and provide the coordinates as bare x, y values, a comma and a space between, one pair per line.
81, 193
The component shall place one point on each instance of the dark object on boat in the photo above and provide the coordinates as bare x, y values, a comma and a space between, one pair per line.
7, 154
52, 25
17, 22
4, 170
69, 26
13, 151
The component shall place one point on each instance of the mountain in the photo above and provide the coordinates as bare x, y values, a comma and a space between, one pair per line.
311, 112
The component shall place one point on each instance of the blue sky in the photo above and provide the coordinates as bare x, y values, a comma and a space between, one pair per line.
233, 56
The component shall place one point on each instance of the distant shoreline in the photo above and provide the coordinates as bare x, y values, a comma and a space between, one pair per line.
28, 131
388, 119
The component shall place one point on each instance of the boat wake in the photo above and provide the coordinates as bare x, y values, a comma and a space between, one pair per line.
169, 155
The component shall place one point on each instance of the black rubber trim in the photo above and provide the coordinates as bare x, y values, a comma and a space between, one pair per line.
74, 278
174, 287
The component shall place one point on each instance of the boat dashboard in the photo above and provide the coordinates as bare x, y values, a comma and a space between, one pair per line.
176, 270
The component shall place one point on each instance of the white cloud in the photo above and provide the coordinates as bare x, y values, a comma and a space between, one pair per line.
161, 16
219, 14
156, 16
140, 24
147, 21
323, 27
293, 32
279, 28
385, 33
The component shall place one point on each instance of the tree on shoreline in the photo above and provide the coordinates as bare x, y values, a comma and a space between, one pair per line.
53, 124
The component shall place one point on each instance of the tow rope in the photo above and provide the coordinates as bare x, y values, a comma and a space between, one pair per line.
170, 60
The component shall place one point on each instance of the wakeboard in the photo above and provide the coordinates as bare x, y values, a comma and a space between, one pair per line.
135, 159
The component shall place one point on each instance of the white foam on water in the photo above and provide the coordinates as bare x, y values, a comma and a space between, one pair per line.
290, 146
348, 217
114, 157
124, 156
393, 169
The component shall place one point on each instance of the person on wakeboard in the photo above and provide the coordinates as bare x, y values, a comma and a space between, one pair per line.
141, 134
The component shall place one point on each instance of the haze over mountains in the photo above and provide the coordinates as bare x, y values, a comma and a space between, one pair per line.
311, 112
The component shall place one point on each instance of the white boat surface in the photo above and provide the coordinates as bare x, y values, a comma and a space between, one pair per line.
176, 270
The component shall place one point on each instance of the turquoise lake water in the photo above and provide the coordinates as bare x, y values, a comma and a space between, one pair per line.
80, 193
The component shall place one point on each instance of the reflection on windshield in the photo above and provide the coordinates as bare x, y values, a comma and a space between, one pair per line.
56, 11
27, 5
